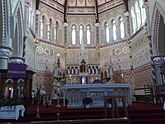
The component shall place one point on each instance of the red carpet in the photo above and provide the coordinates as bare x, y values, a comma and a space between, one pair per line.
146, 113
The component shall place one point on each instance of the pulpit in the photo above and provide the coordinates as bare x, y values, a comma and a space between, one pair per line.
12, 112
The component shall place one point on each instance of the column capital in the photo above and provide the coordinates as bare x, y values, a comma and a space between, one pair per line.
5, 52
97, 24
38, 12
126, 13
146, 5
65, 24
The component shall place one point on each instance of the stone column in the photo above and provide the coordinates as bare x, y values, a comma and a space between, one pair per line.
117, 31
85, 37
37, 22
65, 33
45, 31
159, 64
110, 34
146, 6
127, 21
77, 36
97, 34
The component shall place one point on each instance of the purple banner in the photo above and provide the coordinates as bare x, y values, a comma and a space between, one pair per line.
16, 70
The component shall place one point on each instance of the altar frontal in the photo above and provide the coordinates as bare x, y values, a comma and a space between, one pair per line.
75, 93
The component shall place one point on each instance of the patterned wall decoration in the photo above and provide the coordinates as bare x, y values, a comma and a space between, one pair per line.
44, 79
141, 60
142, 75
123, 76
117, 54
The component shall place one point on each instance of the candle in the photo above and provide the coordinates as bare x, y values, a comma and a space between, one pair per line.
11, 95
6, 92
58, 90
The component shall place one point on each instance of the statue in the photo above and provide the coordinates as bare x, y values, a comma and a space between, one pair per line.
110, 71
82, 66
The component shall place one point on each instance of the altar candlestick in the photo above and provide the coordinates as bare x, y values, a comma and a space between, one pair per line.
11, 93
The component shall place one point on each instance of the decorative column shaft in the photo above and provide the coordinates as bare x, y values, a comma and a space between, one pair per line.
65, 33
148, 28
37, 21
127, 20
97, 33
159, 64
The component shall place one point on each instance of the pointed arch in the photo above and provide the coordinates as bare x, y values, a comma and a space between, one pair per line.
143, 11
81, 33
133, 18
155, 27
18, 33
113, 23
73, 30
121, 27
107, 31
88, 34
138, 15
55, 31
42, 27
49, 30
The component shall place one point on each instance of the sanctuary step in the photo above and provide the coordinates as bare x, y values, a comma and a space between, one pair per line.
138, 113
146, 113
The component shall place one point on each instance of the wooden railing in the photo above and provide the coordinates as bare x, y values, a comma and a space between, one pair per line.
149, 95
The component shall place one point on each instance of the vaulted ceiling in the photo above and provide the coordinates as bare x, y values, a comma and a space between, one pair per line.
79, 3
84, 4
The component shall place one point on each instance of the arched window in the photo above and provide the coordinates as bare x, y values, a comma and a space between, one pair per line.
31, 17
114, 29
133, 19
42, 27
88, 34
55, 31
107, 32
138, 17
73, 34
122, 32
81, 34
143, 11
49, 29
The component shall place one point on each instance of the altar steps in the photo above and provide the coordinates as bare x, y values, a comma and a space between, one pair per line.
146, 113
138, 113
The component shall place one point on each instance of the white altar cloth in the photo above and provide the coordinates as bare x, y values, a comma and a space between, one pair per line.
12, 112
76, 92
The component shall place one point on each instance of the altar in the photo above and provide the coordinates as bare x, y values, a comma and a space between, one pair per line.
75, 93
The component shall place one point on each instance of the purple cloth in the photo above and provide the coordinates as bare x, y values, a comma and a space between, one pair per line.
16, 70
97, 81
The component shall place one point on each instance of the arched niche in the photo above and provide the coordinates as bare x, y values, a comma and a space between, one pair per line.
8, 88
161, 37
20, 88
